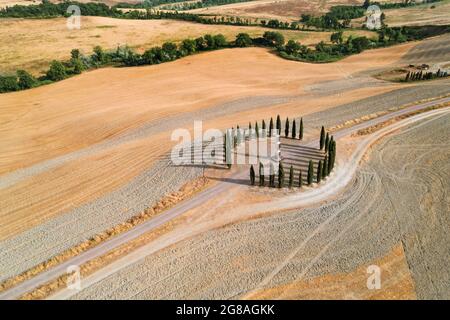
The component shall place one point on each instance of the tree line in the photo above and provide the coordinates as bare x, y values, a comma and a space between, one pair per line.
339, 48
169, 51
420, 75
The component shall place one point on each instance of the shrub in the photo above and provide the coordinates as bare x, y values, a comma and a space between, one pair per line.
8, 83
26, 80
56, 72
243, 40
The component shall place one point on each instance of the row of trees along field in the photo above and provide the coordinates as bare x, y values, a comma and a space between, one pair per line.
169, 51
420, 75
324, 168
337, 18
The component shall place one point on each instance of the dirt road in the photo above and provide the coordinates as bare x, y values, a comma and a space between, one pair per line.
395, 208
170, 214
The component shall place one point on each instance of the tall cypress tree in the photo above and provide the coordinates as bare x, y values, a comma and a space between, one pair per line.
261, 175
252, 176
310, 172
300, 179
327, 141
228, 147
334, 155
279, 124
291, 177
238, 136
270, 127
322, 138
286, 128
272, 176
294, 129
319, 171
325, 167
257, 129
280, 175
301, 129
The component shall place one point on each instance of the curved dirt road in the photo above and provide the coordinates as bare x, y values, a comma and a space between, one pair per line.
340, 179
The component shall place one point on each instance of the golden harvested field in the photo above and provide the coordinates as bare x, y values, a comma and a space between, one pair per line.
33, 43
87, 109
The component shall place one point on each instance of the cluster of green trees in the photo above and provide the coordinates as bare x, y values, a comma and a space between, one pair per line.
339, 48
324, 167
420, 75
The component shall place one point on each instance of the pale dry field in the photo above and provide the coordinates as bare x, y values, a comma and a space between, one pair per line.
285, 10
274, 9
420, 15
69, 144
393, 215
10, 3
34, 43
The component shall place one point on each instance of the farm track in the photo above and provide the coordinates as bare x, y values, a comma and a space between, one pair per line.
202, 197
387, 202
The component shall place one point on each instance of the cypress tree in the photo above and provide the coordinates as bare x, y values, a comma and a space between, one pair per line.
300, 179
319, 171
294, 129
408, 75
334, 155
252, 176
286, 128
322, 138
261, 175
310, 172
257, 129
325, 167
228, 148
327, 141
270, 127
272, 176
291, 177
238, 136
279, 124
280, 175
301, 129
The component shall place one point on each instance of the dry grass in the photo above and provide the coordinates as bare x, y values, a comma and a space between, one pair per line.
281, 9
10, 3
187, 191
381, 125
397, 283
420, 15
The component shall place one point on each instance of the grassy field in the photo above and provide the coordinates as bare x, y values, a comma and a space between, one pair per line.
33, 43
